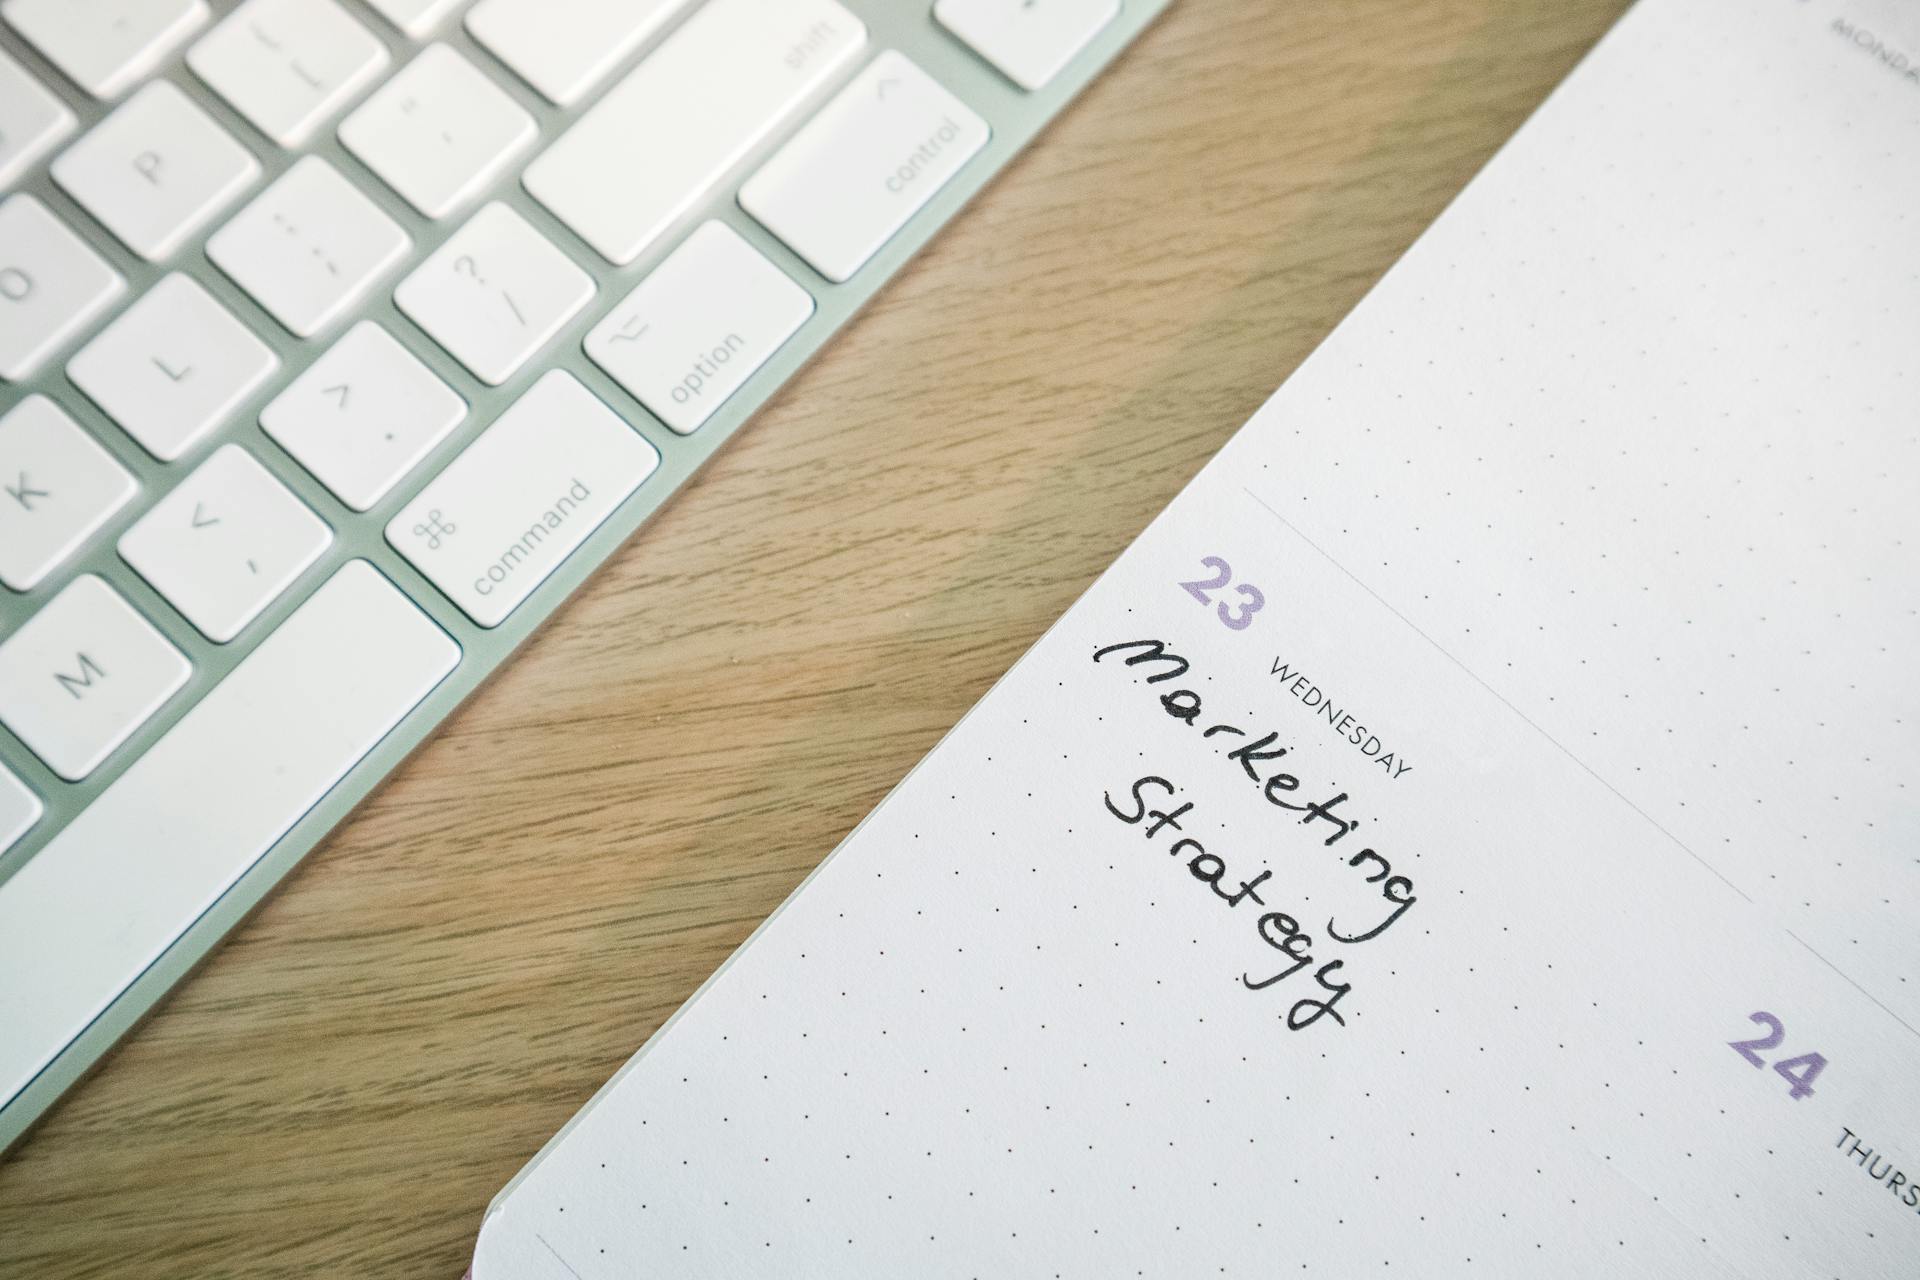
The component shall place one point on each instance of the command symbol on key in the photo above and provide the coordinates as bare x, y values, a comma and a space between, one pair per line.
435, 529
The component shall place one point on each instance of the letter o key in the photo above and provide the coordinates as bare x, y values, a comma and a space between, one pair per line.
15, 284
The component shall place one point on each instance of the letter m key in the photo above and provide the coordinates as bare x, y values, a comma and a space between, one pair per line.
89, 670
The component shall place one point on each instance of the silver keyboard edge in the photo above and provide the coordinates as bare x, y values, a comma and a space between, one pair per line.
1017, 118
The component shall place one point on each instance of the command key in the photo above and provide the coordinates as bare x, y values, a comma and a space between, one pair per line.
522, 498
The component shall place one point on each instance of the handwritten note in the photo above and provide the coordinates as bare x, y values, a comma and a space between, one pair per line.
1469, 833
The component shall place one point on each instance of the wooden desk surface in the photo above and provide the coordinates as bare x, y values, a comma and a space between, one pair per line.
344, 1087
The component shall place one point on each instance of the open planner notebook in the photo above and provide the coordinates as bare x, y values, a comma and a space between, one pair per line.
1474, 831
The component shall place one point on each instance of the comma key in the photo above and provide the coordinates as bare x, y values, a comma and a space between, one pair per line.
506, 513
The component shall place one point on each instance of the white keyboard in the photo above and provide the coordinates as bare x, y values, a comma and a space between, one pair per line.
341, 339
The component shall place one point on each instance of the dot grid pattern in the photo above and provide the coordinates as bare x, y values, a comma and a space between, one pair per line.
1656, 482
1630, 443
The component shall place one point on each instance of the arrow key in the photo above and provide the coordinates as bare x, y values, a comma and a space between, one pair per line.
226, 543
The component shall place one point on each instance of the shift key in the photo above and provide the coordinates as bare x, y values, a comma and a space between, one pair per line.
724, 81
505, 514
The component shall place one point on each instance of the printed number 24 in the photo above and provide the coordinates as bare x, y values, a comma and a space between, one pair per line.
1801, 1070
1238, 617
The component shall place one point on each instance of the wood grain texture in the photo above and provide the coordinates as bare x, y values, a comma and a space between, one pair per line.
344, 1087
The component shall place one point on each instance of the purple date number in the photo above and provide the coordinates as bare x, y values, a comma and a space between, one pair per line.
1237, 617
1800, 1071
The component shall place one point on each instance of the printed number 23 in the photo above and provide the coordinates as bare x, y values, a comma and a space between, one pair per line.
1238, 617
1801, 1071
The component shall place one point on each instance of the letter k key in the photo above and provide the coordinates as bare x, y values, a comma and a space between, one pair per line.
24, 493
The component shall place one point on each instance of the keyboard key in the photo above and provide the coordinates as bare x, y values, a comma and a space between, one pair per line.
636, 162
522, 497
495, 293
104, 46
156, 171
83, 674
19, 809
363, 415
1031, 41
57, 487
97, 905
857, 172
564, 47
287, 65
309, 247
415, 17
51, 285
439, 132
224, 544
695, 330
173, 367
31, 119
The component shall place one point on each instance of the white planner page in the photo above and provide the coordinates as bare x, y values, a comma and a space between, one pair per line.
1474, 831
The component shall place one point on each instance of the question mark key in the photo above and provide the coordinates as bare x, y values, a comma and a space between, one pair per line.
495, 293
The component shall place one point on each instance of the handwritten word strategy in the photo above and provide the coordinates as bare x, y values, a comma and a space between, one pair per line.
1255, 757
